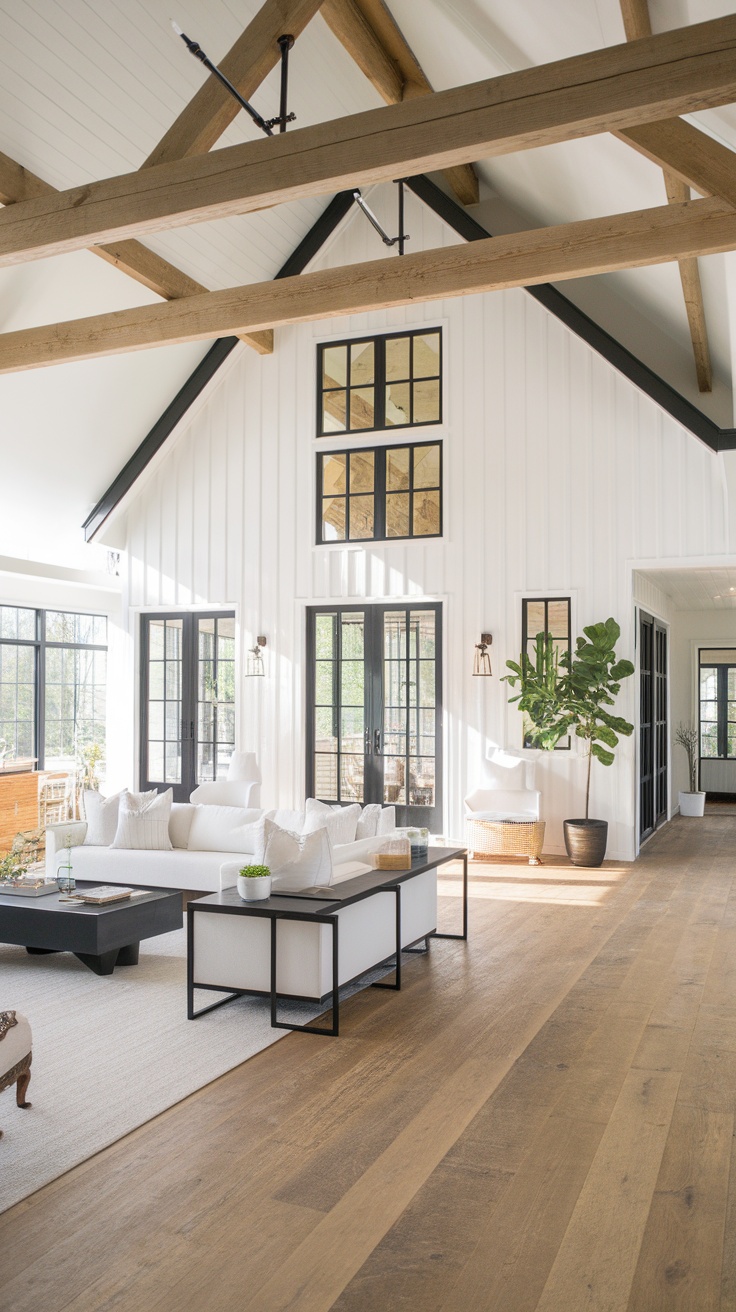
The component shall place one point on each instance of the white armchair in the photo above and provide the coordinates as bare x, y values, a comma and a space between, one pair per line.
241, 788
502, 818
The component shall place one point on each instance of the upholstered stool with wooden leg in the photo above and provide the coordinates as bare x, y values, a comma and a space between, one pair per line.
15, 1055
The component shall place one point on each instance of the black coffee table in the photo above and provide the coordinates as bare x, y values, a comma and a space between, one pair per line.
101, 937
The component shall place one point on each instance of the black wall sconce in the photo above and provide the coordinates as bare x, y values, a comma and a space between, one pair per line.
482, 661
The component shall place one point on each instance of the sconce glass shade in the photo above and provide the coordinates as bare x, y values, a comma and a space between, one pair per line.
482, 659
254, 668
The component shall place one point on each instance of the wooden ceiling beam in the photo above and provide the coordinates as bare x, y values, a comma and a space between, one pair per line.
689, 154
369, 33
572, 250
637, 25
132, 257
599, 91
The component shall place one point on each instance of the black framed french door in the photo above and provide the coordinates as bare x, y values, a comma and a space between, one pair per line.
187, 731
374, 708
653, 725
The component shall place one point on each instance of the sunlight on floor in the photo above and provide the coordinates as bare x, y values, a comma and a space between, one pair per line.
556, 882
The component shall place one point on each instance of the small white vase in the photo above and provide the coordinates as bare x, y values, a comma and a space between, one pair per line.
254, 889
692, 804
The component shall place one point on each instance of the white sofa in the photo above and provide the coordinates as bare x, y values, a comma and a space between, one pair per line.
199, 870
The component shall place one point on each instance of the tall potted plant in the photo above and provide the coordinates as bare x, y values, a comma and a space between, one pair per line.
575, 692
692, 802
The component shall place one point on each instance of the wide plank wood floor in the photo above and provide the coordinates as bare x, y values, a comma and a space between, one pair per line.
542, 1119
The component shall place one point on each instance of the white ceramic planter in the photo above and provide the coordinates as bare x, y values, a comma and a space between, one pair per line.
692, 804
254, 890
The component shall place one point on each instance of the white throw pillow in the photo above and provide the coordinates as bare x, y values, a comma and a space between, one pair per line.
275, 847
367, 826
295, 862
291, 820
386, 820
180, 823
101, 814
220, 828
340, 824
143, 821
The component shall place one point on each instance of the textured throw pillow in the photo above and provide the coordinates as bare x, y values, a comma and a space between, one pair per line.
386, 820
295, 862
220, 828
143, 821
291, 820
340, 824
367, 826
101, 814
180, 823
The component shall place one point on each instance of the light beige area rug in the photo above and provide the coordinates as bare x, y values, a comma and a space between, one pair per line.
109, 1053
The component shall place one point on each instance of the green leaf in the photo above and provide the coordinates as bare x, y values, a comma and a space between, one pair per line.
600, 753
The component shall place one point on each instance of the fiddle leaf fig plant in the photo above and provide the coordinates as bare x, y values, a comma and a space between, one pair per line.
573, 692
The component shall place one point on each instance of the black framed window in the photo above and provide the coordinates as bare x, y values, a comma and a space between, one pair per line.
391, 381
717, 711
53, 686
550, 616
380, 493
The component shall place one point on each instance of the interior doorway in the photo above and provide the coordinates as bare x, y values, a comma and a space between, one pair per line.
653, 724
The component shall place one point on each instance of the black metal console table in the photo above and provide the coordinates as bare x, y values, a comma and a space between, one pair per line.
318, 906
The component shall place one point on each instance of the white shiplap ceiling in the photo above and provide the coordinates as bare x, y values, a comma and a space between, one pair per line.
87, 87
697, 589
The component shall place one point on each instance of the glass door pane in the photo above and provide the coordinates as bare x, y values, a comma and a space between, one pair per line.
164, 711
411, 696
338, 707
215, 696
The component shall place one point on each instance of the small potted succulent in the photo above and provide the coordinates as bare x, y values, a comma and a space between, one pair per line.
254, 883
692, 802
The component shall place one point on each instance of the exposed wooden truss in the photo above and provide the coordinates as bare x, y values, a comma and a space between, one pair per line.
572, 250
196, 129
637, 24
675, 72
369, 33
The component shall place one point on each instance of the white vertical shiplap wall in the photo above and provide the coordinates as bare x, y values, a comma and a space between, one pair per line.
558, 473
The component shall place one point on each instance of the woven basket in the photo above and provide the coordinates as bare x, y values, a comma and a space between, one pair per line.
506, 838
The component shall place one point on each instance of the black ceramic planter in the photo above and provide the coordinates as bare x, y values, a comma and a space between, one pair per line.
585, 841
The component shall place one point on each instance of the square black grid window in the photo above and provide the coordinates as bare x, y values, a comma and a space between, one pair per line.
392, 381
550, 616
380, 493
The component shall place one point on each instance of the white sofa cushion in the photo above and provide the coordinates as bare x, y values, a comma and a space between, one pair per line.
200, 871
244, 765
220, 828
101, 814
180, 823
340, 822
143, 821
291, 820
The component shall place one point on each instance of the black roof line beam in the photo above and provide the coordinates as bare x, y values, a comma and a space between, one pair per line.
308, 247
687, 414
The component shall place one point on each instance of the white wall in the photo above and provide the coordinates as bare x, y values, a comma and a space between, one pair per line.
558, 475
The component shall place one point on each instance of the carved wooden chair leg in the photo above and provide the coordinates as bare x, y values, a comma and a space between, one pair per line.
21, 1087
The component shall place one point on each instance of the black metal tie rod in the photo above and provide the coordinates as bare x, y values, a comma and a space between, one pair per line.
266, 125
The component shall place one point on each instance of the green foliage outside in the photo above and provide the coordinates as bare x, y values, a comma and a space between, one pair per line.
573, 691
22, 855
255, 872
